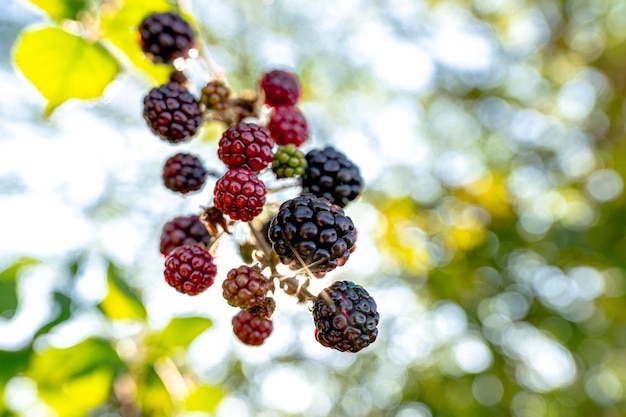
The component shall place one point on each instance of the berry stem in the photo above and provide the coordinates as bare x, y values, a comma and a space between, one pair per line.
291, 285
286, 185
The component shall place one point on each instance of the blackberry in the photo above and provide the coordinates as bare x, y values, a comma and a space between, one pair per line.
289, 161
240, 194
311, 232
184, 230
288, 125
246, 145
172, 112
190, 269
281, 88
330, 174
165, 37
250, 329
345, 317
244, 287
184, 173
215, 95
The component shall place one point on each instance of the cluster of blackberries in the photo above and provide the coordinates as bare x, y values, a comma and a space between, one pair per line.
310, 233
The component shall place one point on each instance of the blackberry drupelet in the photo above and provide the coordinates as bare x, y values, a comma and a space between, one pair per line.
345, 317
184, 173
190, 269
311, 232
184, 230
330, 174
172, 112
165, 37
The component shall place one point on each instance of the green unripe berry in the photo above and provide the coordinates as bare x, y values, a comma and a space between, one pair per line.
288, 162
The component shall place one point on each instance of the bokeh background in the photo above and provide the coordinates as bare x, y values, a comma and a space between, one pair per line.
490, 134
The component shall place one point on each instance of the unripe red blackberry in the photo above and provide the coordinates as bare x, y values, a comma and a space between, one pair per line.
244, 287
281, 88
288, 125
246, 145
172, 112
240, 194
250, 329
184, 230
346, 317
190, 269
311, 232
214, 95
184, 173
165, 37
330, 174
289, 162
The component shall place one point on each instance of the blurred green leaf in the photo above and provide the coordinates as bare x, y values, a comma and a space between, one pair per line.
120, 28
153, 396
8, 287
63, 306
61, 9
76, 379
12, 363
121, 301
74, 67
180, 332
204, 398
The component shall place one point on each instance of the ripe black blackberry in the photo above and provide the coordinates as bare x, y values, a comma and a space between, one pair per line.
214, 95
288, 125
190, 269
289, 161
330, 174
184, 230
250, 329
311, 232
240, 194
346, 317
281, 88
244, 287
184, 173
246, 145
172, 112
165, 37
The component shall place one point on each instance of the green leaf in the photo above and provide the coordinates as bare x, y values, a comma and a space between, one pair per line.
76, 379
63, 305
120, 28
204, 398
61, 9
8, 287
153, 396
180, 332
121, 302
12, 363
63, 66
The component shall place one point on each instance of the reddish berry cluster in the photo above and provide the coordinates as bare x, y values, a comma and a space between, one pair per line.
310, 233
